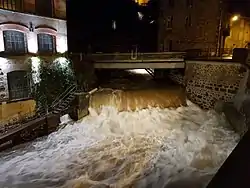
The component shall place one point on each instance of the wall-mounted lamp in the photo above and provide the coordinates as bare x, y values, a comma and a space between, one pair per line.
235, 18
31, 28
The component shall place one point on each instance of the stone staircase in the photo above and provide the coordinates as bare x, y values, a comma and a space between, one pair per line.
63, 101
64, 104
60, 105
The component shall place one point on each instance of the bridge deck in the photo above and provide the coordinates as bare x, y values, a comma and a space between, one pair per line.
164, 60
162, 65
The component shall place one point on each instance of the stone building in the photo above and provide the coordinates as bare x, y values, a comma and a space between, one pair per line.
239, 33
192, 24
29, 29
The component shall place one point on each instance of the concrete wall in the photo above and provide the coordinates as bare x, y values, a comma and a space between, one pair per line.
16, 111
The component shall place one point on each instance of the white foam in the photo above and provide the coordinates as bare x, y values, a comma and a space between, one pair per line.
152, 146
65, 119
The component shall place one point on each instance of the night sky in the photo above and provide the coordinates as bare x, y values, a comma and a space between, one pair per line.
90, 24
240, 6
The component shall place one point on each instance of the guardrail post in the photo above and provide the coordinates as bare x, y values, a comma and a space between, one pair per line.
132, 54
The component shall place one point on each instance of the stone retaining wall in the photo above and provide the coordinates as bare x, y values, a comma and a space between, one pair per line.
208, 82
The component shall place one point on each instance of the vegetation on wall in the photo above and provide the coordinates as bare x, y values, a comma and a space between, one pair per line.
54, 79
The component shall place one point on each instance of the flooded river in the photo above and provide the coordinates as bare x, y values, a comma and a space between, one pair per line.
145, 147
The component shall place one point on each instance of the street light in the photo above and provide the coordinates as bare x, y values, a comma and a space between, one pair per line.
235, 18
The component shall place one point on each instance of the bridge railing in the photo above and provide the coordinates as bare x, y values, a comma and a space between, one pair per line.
111, 57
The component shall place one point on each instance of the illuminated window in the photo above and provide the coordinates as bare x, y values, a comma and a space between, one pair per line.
14, 41
11, 4
46, 43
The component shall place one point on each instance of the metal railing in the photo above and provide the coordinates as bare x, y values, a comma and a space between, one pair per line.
135, 56
63, 95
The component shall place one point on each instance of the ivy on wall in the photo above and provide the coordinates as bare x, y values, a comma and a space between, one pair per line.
54, 79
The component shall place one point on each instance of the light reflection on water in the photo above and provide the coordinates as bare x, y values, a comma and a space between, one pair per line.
146, 148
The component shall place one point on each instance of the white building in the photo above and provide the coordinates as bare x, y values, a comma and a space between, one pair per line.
28, 28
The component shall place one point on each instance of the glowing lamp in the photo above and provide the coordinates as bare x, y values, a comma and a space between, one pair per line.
235, 18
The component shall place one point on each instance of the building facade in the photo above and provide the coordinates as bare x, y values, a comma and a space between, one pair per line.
191, 24
28, 29
239, 33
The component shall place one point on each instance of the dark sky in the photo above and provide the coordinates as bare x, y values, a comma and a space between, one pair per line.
240, 6
90, 22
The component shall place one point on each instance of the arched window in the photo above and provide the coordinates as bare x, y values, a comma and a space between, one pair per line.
18, 83
14, 41
46, 43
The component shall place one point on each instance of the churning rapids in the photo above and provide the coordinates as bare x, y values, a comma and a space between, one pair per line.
154, 147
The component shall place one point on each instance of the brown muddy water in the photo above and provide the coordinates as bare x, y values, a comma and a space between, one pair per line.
139, 134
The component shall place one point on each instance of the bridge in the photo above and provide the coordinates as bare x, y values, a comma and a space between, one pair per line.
161, 60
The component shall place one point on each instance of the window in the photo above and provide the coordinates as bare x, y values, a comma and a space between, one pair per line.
46, 43
18, 84
14, 41
189, 3
169, 21
171, 3
11, 4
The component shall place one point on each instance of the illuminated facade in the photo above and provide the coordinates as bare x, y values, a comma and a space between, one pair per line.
28, 28
239, 33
